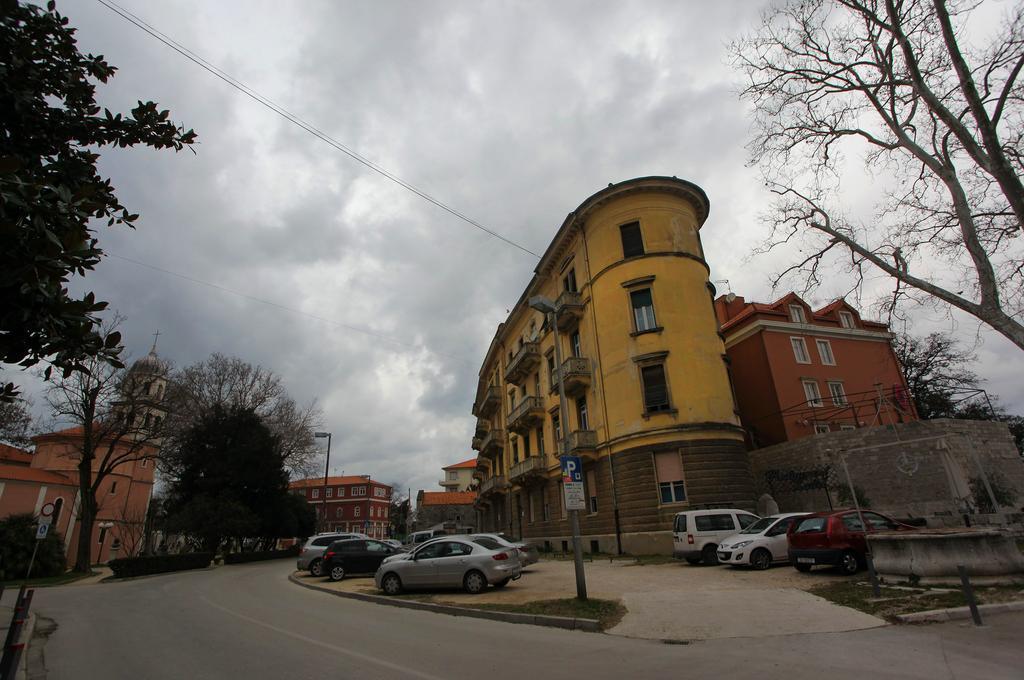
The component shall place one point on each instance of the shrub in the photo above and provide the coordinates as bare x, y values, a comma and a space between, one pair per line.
159, 564
238, 558
18, 540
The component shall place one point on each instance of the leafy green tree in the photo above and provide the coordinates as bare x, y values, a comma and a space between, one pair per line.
18, 539
230, 482
51, 194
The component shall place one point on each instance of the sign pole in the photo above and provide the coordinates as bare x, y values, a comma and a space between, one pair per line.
574, 514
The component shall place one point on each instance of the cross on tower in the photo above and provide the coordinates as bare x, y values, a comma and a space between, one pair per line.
156, 336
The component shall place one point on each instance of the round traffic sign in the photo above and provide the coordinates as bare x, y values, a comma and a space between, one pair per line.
47, 510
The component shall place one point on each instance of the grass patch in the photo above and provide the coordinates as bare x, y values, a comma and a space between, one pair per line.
895, 601
655, 559
607, 612
59, 580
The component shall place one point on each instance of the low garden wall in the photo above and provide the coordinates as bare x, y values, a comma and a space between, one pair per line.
931, 556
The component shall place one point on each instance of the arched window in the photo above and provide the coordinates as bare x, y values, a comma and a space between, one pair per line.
58, 505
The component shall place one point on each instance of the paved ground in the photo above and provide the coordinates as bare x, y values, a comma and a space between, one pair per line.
676, 601
247, 621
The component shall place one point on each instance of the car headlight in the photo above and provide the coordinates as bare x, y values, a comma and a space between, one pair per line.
742, 544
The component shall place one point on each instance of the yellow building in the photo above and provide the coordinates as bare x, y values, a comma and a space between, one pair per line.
651, 411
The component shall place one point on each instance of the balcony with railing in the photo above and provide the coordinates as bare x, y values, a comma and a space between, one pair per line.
582, 443
523, 363
527, 414
577, 373
528, 470
489, 402
493, 485
569, 308
492, 443
482, 425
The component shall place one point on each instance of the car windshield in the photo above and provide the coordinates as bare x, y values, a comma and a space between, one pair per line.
760, 525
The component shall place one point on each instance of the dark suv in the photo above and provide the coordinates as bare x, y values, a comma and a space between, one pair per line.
835, 538
355, 556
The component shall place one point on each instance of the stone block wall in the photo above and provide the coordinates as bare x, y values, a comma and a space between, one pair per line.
928, 469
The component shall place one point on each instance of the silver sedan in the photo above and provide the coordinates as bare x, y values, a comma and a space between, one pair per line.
528, 552
450, 562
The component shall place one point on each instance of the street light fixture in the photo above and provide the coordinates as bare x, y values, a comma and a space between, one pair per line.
327, 467
547, 307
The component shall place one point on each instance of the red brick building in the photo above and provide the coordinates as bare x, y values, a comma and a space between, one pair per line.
797, 371
352, 503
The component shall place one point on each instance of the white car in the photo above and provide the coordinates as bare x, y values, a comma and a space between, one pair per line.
761, 544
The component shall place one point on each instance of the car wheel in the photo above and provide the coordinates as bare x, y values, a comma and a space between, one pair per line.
849, 564
503, 582
474, 583
802, 567
391, 584
761, 559
693, 560
709, 555
337, 573
317, 568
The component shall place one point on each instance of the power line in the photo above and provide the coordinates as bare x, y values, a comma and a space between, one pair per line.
357, 329
292, 118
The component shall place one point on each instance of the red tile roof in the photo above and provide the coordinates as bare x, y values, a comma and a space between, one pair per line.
14, 456
23, 474
471, 463
448, 497
332, 481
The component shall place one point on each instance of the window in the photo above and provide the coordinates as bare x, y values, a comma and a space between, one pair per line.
546, 508
574, 341
113, 487
103, 535
533, 510
556, 426
148, 421
879, 523
526, 444
452, 476
341, 492
838, 393
358, 511
846, 427
337, 513
821, 428
800, 351
314, 493
714, 523
581, 414
846, 320
825, 352
655, 388
852, 522
540, 441
810, 525
570, 281
144, 463
796, 314
632, 240
592, 490
551, 368
302, 491
515, 451
643, 310
669, 469
329, 492
381, 492
360, 491
812, 393
745, 520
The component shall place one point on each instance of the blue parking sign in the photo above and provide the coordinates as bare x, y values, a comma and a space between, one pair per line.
572, 469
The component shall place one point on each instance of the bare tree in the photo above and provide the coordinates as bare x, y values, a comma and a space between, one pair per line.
936, 120
15, 421
234, 384
132, 528
117, 415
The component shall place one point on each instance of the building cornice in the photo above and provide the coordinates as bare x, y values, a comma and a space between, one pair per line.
790, 328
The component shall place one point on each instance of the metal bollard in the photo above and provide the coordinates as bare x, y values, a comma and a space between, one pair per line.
872, 575
969, 594
12, 646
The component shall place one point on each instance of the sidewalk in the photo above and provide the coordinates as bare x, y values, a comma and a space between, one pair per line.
673, 601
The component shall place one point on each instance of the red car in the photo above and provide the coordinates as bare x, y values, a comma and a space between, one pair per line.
835, 538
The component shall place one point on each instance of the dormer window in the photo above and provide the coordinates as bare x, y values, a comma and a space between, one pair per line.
846, 320
796, 314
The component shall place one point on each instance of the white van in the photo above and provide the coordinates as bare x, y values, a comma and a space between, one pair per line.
697, 533
417, 537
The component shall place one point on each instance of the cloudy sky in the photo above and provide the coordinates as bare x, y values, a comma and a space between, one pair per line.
510, 112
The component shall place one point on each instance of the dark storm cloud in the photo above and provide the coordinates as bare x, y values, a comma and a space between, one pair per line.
511, 113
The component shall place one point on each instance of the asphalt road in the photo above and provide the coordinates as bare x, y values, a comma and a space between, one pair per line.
247, 622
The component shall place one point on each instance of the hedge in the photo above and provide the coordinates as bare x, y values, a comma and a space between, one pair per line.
238, 558
158, 564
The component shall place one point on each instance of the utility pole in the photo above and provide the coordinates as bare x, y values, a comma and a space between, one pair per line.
327, 467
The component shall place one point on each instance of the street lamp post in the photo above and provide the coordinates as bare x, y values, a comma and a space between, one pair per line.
547, 307
327, 467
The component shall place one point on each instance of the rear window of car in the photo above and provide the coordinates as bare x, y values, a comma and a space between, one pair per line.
680, 527
327, 540
488, 543
810, 525
714, 523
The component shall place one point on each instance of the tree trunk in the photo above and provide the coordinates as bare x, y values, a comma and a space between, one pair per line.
83, 559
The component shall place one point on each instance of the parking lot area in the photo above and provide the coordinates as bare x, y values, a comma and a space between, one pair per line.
675, 601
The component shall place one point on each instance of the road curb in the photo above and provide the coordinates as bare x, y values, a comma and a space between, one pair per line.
564, 622
958, 613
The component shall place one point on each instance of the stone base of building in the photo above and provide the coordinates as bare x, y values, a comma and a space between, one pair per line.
638, 543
